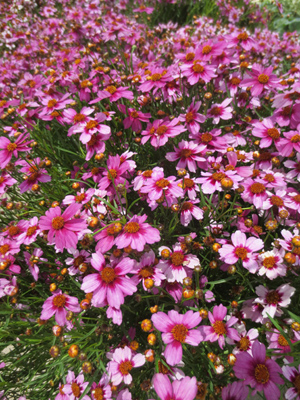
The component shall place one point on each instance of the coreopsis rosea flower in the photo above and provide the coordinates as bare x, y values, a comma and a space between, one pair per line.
220, 111
136, 234
161, 130
219, 329
292, 374
185, 388
260, 78
272, 300
122, 362
110, 284
177, 329
63, 229
35, 173
9, 149
242, 248
235, 391
75, 386
57, 305
261, 373
188, 153
267, 132
102, 390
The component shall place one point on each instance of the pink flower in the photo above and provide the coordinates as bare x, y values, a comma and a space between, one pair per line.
185, 388
260, 373
218, 328
136, 233
147, 268
113, 93
213, 181
177, 329
5, 181
292, 375
261, 78
290, 142
57, 305
134, 118
235, 391
255, 192
188, 154
114, 174
35, 173
9, 149
122, 362
198, 70
160, 130
241, 249
271, 300
157, 79
271, 263
93, 127
63, 229
220, 111
189, 210
75, 386
192, 118
102, 390
267, 132
111, 284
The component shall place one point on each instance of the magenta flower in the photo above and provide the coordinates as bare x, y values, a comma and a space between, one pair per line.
134, 118
261, 78
8, 148
177, 329
111, 284
255, 192
63, 229
241, 249
113, 93
198, 70
260, 373
235, 391
185, 388
188, 154
292, 375
122, 362
290, 142
57, 305
192, 118
220, 111
5, 181
136, 233
160, 130
34, 174
189, 210
218, 328
267, 132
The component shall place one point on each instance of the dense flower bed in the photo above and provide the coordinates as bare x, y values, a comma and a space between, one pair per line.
150, 202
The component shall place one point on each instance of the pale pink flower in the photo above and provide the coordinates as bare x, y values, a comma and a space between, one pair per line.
198, 70
158, 186
267, 132
290, 142
255, 192
192, 118
271, 263
292, 374
189, 210
272, 300
188, 155
177, 329
9, 149
75, 386
220, 111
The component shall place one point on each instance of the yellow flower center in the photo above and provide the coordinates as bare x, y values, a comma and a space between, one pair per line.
111, 89
235, 81
75, 389
215, 111
161, 130
273, 133
295, 139
162, 183
79, 118
198, 68
189, 117
11, 147
91, 125
51, 103
112, 173
273, 297
98, 393
4, 248
257, 188
146, 272
282, 341
156, 77
206, 49
269, 262
241, 253
185, 153
243, 344
218, 176
190, 56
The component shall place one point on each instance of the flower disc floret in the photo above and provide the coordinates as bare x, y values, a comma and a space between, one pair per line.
11, 147
198, 68
263, 78
58, 223
59, 300
132, 227
108, 275
241, 253
177, 258
219, 327
162, 183
125, 367
261, 374
257, 188
273, 297
179, 332
244, 344
273, 133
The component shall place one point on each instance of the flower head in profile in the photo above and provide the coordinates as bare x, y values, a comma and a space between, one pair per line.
63, 229
122, 362
57, 305
177, 329
260, 373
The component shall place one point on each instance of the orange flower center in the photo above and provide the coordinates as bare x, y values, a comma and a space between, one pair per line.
261, 373
235, 81
59, 300
295, 139
85, 84
146, 272
297, 383
282, 341
257, 188
273, 133
156, 77
93, 140
11, 147
31, 230
269, 262
95, 171
276, 201
108, 275
198, 68
186, 206
286, 111
132, 227
61, 389
263, 78
297, 198
244, 344
97, 393
179, 333
269, 178
91, 125
185, 153
189, 117
161, 130
13, 230
177, 258
219, 327
273, 297
79, 118
218, 176
148, 173
215, 111
134, 114
206, 137
206, 49
75, 389
125, 367
188, 183
51, 103
162, 183
243, 36
241, 253
58, 223
190, 56
111, 89
4, 248
112, 173
80, 197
